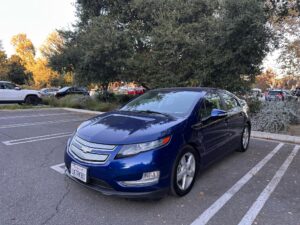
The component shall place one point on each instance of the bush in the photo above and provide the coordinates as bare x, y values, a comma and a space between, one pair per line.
123, 99
80, 102
276, 116
254, 105
111, 97
106, 97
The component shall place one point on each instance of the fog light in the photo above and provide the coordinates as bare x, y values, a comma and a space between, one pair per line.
148, 179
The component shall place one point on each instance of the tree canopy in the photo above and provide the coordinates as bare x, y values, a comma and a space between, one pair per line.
166, 43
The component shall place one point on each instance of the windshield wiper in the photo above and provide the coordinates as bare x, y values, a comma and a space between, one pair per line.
152, 112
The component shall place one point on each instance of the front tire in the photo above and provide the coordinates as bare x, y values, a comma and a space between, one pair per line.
245, 139
184, 171
32, 100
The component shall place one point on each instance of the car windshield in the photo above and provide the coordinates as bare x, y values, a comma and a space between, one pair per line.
175, 103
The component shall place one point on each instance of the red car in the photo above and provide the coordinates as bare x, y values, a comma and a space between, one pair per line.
136, 91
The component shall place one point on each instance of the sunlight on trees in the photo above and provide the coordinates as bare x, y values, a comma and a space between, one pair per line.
42, 74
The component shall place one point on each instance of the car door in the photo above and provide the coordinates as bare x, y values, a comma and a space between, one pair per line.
235, 118
211, 132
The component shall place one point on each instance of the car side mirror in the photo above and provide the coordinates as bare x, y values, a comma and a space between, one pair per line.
218, 113
17, 88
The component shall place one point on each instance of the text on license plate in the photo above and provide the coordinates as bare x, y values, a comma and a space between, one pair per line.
79, 172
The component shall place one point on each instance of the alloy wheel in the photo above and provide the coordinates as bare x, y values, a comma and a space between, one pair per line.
186, 171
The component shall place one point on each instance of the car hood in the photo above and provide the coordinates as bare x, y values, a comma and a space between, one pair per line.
120, 127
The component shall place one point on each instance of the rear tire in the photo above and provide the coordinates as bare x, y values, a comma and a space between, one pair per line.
184, 171
245, 139
32, 100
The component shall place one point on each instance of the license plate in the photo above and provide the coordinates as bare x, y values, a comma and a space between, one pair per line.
79, 172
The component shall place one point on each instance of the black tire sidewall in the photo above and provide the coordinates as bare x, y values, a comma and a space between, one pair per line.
31, 100
175, 190
242, 148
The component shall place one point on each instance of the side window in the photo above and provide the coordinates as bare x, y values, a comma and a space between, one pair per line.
2, 86
210, 101
231, 104
9, 86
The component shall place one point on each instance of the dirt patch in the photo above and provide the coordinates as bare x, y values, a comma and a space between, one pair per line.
294, 130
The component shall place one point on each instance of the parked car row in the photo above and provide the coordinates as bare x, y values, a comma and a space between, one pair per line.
11, 93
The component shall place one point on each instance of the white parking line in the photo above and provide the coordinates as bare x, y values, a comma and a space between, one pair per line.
60, 168
219, 203
36, 115
252, 213
37, 123
36, 139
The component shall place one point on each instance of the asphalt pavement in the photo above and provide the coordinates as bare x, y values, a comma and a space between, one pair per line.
260, 186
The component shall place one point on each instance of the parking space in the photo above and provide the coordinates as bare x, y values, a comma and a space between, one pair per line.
261, 186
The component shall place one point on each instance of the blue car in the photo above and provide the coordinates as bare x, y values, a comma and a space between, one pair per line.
158, 142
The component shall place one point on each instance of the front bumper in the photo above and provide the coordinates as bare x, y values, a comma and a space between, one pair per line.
110, 192
107, 178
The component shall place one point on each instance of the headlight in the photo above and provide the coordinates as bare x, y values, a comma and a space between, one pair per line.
128, 150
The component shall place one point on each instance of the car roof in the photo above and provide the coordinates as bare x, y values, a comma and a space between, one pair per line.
194, 89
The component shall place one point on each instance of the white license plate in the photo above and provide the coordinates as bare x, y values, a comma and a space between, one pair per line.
79, 172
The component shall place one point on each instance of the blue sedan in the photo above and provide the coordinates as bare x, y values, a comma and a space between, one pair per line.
158, 142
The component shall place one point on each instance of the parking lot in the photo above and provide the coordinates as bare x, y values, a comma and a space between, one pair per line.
261, 186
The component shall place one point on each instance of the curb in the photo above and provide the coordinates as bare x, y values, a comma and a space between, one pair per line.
276, 137
82, 111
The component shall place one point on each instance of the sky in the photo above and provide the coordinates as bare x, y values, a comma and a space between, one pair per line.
36, 18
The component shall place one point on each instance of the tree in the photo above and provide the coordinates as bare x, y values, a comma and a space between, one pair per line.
42, 74
266, 80
3, 65
290, 58
167, 43
105, 49
284, 17
16, 71
53, 45
24, 49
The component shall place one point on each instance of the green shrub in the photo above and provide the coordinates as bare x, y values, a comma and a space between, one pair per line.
123, 99
276, 116
80, 102
108, 97
111, 97
254, 105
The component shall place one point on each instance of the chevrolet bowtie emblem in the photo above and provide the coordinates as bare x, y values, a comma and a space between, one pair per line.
86, 149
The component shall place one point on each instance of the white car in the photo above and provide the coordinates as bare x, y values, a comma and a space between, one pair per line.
10, 93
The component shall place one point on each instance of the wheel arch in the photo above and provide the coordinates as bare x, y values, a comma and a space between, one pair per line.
31, 95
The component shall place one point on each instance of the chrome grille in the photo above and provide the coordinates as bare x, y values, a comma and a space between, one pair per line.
94, 145
90, 152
